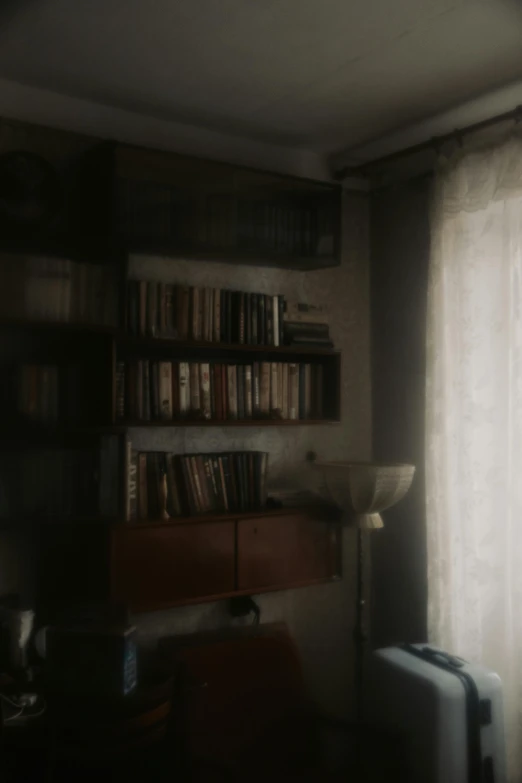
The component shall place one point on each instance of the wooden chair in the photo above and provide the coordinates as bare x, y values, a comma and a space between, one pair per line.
242, 712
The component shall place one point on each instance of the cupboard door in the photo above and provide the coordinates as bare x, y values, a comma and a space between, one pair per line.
173, 564
288, 550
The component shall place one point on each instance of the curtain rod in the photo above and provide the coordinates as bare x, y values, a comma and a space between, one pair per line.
434, 143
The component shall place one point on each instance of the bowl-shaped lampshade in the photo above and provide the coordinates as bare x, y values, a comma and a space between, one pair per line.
367, 488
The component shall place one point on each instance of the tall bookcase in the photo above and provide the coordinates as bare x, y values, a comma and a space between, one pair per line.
88, 550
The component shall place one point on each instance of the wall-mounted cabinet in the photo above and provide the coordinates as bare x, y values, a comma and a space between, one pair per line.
161, 202
193, 560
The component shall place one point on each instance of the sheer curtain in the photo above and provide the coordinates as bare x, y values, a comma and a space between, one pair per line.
474, 419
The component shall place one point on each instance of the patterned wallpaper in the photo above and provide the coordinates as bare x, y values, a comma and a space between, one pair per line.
320, 618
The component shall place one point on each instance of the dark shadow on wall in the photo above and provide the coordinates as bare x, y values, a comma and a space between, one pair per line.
399, 235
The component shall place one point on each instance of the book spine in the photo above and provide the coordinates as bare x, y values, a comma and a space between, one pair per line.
182, 311
248, 391
210, 305
146, 391
162, 308
242, 298
218, 403
217, 315
232, 391
293, 392
190, 487
143, 506
204, 374
224, 391
256, 390
281, 310
240, 385
274, 404
195, 398
263, 482
154, 391
275, 311
175, 391
308, 391
206, 313
229, 317
143, 300
120, 390
199, 495
202, 479
319, 400
194, 313
170, 322
152, 308
211, 484
254, 317
224, 488
216, 483
165, 390
223, 318
261, 319
301, 410
248, 319
184, 389
131, 497
264, 389
269, 321
173, 501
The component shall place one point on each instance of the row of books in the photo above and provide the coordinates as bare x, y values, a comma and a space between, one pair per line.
204, 314
49, 482
225, 221
155, 391
163, 485
58, 290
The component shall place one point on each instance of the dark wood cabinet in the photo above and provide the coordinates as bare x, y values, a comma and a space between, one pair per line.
291, 549
172, 564
157, 565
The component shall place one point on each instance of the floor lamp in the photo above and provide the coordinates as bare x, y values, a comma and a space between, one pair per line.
362, 490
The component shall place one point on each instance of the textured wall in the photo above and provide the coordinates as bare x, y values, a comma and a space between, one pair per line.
320, 618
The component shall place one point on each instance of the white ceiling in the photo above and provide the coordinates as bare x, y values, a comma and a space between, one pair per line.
319, 74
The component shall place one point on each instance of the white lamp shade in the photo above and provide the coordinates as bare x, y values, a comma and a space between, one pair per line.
367, 488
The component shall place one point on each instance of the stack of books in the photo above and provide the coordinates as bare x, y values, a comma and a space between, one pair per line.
212, 315
306, 325
170, 391
162, 485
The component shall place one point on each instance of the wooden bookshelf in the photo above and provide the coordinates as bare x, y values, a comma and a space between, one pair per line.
264, 219
154, 201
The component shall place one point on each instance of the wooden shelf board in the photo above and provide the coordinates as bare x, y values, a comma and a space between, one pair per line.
330, 512
138, 342
231, 423
204, 599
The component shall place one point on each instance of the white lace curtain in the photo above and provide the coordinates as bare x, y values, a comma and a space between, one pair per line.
474, 419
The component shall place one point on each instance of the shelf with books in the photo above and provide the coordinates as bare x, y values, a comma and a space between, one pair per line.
237, 391
325, 512
161, 202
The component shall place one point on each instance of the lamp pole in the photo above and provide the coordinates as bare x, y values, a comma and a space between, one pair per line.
359, 632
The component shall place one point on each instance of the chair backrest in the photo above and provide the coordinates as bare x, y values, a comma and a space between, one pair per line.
241, 699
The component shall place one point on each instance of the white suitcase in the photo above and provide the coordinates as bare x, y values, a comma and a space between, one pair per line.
446, 714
